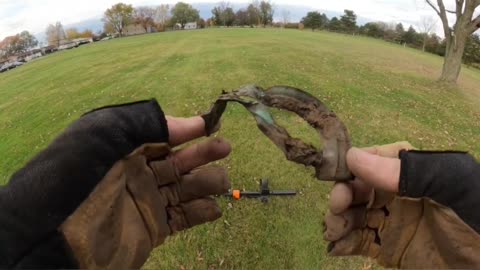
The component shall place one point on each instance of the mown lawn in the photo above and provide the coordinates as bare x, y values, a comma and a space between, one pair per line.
383, 92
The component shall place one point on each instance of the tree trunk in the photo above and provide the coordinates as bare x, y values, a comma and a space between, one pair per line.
453, 59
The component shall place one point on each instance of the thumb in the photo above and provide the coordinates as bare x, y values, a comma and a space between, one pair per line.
380, 172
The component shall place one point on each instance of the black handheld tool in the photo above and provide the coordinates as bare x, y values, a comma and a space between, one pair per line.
263, 194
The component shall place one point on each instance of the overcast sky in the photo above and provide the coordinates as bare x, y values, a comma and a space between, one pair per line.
35, 15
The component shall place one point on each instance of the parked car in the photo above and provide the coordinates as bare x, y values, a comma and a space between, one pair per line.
10, 65
18, 63
4, 67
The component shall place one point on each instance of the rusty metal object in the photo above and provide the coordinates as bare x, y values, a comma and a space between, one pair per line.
329, 162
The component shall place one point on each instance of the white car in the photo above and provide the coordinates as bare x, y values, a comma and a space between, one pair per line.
11, 65
4, 68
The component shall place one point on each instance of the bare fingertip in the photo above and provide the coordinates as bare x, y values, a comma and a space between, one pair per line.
226, 185
220, 147
341, 197
352, 155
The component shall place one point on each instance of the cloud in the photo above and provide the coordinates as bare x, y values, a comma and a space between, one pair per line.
35, 15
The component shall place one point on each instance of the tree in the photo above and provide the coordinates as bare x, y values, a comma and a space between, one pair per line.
335, 24
426, 26
87, 33
456, 37
217, 17
399, 32
162, 15
399, 29
182, 13
27, 41
389, 31
17, 44
313, 20
145, 17
253, 13
472, 51
266, 13
73, 33
7, 46
285, 17
209, 23
55, 34
223, 14
241, 17
229, 16
434, 45
118, 17
349, 21
201, 23
108, 28
373, 29
412, 38
325, 20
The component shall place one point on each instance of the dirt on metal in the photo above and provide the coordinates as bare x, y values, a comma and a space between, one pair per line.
329, 162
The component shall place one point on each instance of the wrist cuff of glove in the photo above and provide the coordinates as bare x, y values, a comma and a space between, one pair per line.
53, 184
147, 112
449, 178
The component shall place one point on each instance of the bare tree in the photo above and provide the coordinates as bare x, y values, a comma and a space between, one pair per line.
253, 10
426, 25
55, 34
223, 14
162, 14
456, 36
285, 16
145, 16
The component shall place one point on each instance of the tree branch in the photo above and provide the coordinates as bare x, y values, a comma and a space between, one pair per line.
474, 25
443, 16
459, 7
434, 7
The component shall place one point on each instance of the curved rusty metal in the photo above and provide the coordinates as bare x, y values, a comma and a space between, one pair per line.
329, 162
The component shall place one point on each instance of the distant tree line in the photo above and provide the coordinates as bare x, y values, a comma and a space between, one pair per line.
256, 13
161, 17
425, 40
347, 23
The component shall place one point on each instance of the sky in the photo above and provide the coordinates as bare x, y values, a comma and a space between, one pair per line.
35, 15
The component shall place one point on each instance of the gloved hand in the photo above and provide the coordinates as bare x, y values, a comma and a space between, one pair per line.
401, 212
144, 198
109, 189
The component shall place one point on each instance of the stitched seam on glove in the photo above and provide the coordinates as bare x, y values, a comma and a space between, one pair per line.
141, 215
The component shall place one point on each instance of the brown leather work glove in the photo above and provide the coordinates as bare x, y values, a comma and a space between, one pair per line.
149, 195
370, 217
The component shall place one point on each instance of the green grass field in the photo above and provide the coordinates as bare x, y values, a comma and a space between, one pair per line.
383, 92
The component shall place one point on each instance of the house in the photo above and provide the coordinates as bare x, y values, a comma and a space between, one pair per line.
32, 54
136, 29
81, 41
188, 26
67, 45
48, 49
